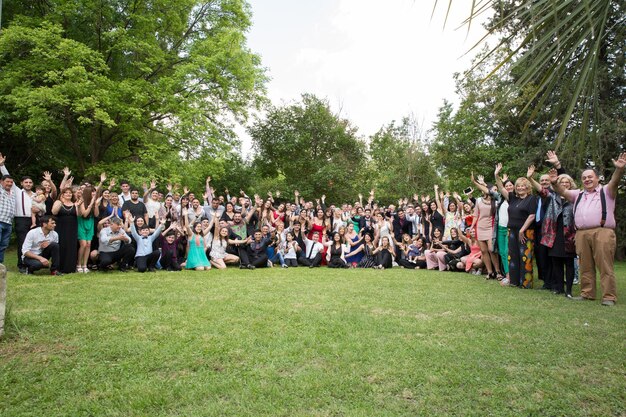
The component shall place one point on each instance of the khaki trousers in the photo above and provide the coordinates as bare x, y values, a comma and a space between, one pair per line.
596, 249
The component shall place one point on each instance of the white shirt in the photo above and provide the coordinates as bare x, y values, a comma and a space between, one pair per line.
313, 247
23, 202
503, 214
105, 240
35, 238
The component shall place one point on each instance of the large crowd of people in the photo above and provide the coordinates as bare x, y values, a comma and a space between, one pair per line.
495, 230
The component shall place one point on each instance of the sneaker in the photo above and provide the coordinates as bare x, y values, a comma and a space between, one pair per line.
242, 267
569, 296
270, 264
608, 303
56, 273
581, 298
86, 270
505, 282
250, 267
24, 270
284, 266
576, 281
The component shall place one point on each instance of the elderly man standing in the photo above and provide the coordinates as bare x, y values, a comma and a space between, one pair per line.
594, 216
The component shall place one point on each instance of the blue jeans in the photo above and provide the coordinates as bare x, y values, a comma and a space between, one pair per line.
5, 237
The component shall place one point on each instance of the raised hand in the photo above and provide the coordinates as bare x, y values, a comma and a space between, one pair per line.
372, 192
505, 177
296, 193
46, 175
69, 182
2, 159
416, 197
208, 179
185, 190
323, 197
498, 168
277, 194
112, 182
153, 184
552, 158
530, 172
103, 177
360, 196
168, 187
481, 180
620, 163
66, 171
242, 193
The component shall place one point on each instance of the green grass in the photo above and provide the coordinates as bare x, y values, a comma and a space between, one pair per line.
302, 342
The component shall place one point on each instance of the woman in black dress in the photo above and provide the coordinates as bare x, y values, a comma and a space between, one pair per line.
335, 255
67, 227
384, 254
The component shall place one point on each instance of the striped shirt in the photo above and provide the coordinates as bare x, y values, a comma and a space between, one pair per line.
7, 206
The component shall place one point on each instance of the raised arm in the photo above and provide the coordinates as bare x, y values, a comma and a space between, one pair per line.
438, 200
529, 174
620, 163
53, 188
496, 174
480, 183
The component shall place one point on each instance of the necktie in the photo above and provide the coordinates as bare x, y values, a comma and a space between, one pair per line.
538, 214
311, 250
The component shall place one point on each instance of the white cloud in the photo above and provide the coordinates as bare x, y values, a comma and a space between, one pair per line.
378, 61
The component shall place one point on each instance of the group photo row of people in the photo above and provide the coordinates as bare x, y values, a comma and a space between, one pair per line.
493, 229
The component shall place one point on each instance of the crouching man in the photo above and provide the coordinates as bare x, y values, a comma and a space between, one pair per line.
114, 247
41, 245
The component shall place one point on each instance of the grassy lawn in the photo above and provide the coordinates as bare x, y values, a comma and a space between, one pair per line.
302, 342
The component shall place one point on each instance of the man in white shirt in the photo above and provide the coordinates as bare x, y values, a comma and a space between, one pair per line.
312, 255
41, 245
22, 217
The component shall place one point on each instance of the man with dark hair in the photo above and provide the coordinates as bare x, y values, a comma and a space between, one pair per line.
257, 250
40, 245
311, 255
23, 215
136, 207
401, 225
7, 212
114, 246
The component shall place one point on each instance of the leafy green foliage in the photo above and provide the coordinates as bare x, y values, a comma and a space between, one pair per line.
102, 81
400, 166
316, 151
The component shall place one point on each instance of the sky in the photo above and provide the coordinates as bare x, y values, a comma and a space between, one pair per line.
373, 61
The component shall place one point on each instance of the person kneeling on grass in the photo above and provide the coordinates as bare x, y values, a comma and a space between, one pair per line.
40, 245
257, 250
145, 257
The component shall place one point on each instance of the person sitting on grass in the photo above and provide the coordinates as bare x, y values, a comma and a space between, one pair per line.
219, 256
145, 257
41, 245
169, 248
472, 263
114, 246
312, 255
257, 250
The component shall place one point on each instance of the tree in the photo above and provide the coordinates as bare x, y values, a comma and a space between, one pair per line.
94, 81
314, 150
400, 166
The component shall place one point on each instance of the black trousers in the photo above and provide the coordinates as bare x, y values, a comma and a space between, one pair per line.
410, 265
169, 261
558, 265
259, 261
147, 261
316, 261
544, 263
123, 256
241, 252
22, 227
384, 258
291, 262
52, 251
337, 263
